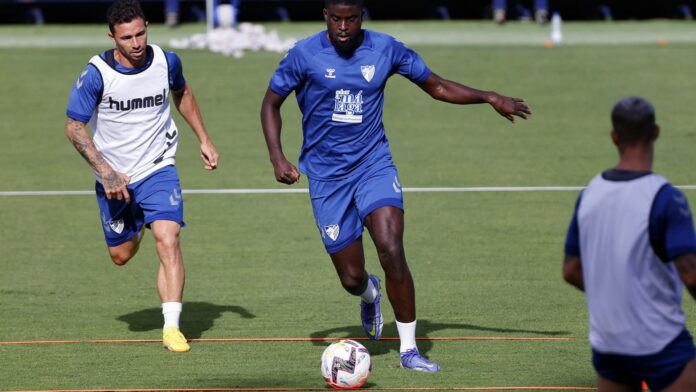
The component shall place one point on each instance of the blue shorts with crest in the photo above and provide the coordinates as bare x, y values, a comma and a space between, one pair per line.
340, 206
155, 197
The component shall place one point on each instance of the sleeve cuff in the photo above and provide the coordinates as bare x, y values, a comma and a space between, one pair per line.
279, 91
678, 251
572, 250
424, 76
78, 117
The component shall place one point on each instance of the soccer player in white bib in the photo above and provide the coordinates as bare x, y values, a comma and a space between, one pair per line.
339, 76
123, 94
630, 245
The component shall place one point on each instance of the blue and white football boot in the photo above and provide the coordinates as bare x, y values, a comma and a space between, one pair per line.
411, 359
371, 314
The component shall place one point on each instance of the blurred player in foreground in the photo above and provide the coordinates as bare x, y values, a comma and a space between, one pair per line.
630, 245
339, 76
124, 94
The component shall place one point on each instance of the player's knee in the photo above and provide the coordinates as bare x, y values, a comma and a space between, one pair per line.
120, 258
390, 251
167, 241
352, 283
124, 252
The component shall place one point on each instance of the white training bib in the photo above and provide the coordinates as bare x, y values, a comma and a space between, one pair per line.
133, 127
633, 296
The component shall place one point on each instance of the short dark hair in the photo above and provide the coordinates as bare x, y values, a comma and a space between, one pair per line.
123, 11
358, 3
633, 119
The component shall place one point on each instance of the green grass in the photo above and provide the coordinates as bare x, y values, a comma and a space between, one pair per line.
485, 264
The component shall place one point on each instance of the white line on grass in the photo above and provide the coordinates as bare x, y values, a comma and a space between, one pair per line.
305, 190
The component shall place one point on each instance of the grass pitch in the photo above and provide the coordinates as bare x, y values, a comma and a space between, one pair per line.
485, 264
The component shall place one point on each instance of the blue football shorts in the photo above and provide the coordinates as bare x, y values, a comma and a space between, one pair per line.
658, 370
155, 197
340, 206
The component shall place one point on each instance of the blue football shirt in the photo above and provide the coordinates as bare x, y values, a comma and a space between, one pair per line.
341, 99
87, 90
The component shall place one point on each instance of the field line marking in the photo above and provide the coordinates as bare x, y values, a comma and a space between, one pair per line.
250, 191
454, 338
242, 389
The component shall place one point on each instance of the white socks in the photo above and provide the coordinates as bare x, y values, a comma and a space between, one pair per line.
407, 331
370, 293
407, 334
171, 312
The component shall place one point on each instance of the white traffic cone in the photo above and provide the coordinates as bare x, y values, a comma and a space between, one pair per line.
556, 29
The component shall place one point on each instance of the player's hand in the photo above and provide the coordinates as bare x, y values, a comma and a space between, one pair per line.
285, 171
509, 107
114, 184
209, 155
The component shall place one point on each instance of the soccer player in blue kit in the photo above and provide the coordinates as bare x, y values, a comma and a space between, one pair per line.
123, 93
339, 76
630, 245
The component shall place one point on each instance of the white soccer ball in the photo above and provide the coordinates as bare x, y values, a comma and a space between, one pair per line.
346, 364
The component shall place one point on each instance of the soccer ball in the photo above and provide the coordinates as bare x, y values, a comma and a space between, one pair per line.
346, 364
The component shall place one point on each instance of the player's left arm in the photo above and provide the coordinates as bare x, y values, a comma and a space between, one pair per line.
186, 104
686, 266
453, 92
676, 229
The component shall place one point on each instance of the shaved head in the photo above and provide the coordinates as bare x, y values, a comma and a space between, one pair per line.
633, 119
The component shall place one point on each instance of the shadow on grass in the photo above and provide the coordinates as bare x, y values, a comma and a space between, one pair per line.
424, 327
196, 318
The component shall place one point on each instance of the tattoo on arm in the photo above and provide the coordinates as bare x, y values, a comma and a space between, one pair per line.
80, 138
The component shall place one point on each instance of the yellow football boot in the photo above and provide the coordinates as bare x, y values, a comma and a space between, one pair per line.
174, 340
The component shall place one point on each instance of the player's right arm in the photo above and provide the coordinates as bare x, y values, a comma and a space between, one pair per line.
572, 271
114, 182
287, 77
272, 122
572, 263
85, 94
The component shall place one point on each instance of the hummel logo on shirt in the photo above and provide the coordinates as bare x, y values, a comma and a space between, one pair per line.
397, 185
79, 80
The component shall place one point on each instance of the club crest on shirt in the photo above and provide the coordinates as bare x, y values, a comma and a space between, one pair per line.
332, 231
368, 71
